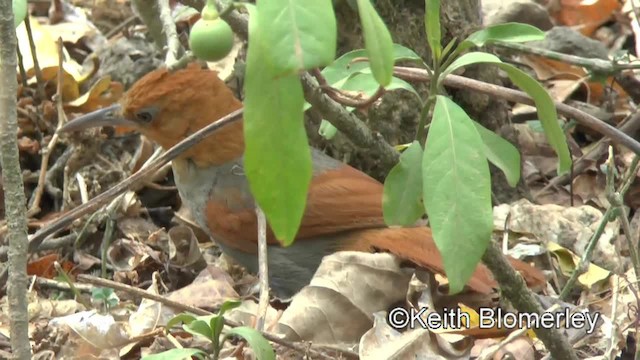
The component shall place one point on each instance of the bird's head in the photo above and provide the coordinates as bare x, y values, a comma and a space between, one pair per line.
169, 106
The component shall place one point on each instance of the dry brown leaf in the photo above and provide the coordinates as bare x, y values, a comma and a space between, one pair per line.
339, 303
590, 187
384, 342
571, 227
209, 289
585, 15
563, 79
126, 255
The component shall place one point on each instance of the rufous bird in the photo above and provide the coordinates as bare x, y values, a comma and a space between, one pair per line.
344, 205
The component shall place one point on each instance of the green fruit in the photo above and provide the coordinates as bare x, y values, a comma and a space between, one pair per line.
211, 40
19, 11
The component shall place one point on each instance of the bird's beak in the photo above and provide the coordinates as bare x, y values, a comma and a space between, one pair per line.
109, 116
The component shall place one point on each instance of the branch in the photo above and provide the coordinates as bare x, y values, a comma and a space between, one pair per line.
515, 290
580, 116
14, 198
345, 121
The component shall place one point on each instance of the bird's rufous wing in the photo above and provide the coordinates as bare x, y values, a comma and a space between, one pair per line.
340, 199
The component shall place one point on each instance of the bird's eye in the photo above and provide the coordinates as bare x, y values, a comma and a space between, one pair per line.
144, 116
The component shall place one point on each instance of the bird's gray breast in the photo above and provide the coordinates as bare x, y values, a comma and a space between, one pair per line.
225, 184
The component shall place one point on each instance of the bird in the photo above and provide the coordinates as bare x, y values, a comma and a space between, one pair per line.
344, 205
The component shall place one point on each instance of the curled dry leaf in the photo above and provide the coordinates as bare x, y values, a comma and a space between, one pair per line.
126, 255
150, 313
384, 342
183, 217
185, 252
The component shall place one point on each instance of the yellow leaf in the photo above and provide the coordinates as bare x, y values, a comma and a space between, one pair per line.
102, 93
568, 262
47, 55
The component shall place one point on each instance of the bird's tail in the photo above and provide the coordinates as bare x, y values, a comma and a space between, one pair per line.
416, 245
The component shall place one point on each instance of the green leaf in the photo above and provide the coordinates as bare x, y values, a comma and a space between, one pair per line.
180, 318
508, 32
302, 33
228, 305
260, 346
501, 153
344, 67
457, 191
535, 125
277, 158
327, 130
546, 112
106, 296
19, 11
432, 27
199, 327
470, 59
177, 354
366, 84
402, 197
378, 43
544, 103
216, 322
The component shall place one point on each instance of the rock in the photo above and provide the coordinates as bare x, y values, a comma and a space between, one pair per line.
568, 41
522, 11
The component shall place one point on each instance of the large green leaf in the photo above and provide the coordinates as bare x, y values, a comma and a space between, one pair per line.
378, 43
302, 33
260, 346
457, 191
177, 354
402, 197
432, 26
19, 11
501, 153
543, 101
508, 32
277, 157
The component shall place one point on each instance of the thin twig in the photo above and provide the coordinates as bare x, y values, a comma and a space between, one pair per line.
116, 29
593, 123
595, 65
140, 176
34, 56
263, 269
169, 29
628, 126
46, 153
612, 350
616, 207
23, 72
342, 98
194, 310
